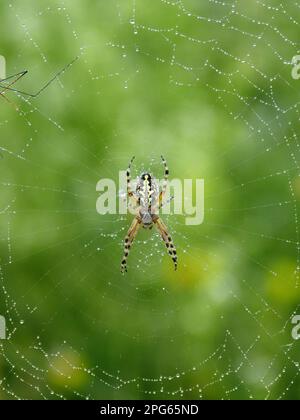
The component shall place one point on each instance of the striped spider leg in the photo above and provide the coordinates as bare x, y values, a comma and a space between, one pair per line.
148, 201
131, 234
133, 230
163, 230
165, 183
134, 199
130, 192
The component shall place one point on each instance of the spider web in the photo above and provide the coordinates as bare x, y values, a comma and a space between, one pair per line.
209, 85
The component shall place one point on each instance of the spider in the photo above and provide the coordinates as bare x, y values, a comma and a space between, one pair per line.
147, 200
11, 80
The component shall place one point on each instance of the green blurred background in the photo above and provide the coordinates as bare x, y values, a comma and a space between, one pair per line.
208, 85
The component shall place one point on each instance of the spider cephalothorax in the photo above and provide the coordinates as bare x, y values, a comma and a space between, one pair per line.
147, 200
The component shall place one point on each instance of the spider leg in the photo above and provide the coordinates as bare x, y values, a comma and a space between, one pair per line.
16, 77
160, 204
131, 234
166, 202
163, 230
34, 95
128, 176
165, 182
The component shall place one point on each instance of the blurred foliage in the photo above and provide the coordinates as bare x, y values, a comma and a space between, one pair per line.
225, 110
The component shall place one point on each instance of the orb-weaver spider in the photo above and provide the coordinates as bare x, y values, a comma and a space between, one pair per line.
147, 201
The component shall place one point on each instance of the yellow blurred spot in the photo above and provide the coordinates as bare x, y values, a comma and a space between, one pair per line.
281, 286
297, 186
67, 369
198, 268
